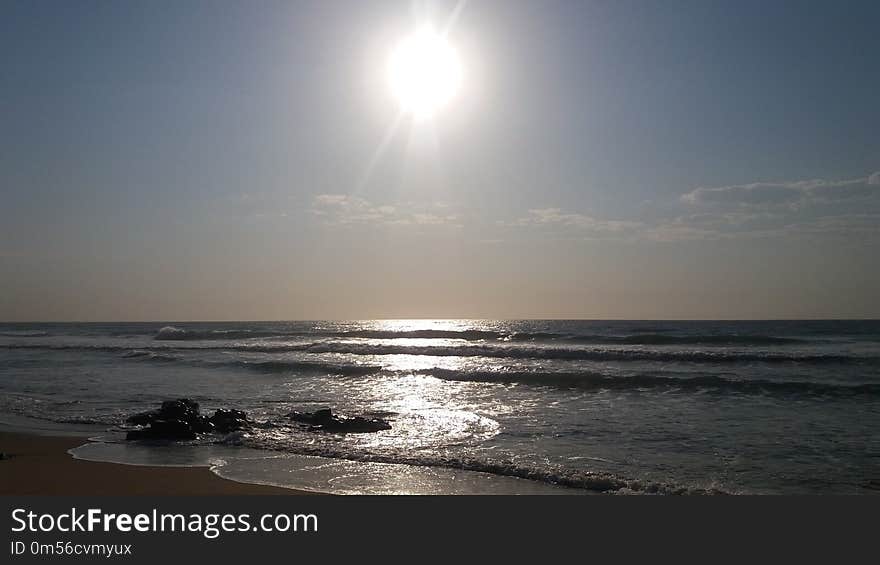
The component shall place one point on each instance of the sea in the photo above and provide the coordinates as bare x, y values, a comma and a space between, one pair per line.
475, 406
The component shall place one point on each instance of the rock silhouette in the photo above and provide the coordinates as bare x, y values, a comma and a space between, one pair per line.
325, 420
230, 420
180, 420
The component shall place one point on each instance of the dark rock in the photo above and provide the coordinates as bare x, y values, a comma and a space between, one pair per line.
316, 418
202, 425
144, 418
165, 430
180, 409
356, 425
325, 420
174, 420
323, 415
180, 419
226, 421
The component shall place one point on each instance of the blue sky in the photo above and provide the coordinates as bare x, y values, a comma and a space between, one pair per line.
221, 160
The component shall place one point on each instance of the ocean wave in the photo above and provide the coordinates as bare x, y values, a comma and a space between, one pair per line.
263, 366
588, 380
149, 355
653, 338
106, 348
64, 347
597, 380
172, 333
501, 352
281, 366
583, 354
23, 333
111, 420
581, 379
666, 339
52, 410
599, 482
467, 335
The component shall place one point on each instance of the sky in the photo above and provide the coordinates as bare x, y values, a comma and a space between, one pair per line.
224, 160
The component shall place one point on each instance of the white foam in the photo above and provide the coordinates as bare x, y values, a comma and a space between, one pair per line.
316, 474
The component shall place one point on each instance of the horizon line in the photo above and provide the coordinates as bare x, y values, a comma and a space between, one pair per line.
228, 320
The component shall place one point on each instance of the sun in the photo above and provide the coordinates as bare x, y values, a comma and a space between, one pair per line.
424, 73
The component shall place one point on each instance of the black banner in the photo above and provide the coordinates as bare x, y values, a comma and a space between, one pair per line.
245, 529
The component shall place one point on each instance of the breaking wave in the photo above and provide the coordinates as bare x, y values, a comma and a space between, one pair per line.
596, 380
172, 333
149, 355
504, 352
592, 354
666, 339
468, 335
267, 366
351, 370
599, 482
581, 379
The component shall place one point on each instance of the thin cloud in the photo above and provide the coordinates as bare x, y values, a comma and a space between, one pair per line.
347, 210
814, 207
557, 218
773, 209
787, 193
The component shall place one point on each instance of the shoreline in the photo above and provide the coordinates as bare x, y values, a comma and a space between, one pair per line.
41, 465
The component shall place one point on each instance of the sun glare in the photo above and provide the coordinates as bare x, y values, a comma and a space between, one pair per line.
424, 73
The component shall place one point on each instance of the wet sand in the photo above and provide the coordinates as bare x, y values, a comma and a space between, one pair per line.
36, 464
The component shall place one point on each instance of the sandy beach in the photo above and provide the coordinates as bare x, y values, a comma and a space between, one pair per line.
40, 465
